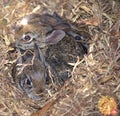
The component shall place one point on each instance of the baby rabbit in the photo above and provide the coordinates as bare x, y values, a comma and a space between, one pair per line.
41, 28
29, 73
26, 41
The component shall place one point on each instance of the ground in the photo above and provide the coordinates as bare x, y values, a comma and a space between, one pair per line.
96, 75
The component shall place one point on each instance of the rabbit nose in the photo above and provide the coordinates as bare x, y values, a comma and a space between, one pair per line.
33, 96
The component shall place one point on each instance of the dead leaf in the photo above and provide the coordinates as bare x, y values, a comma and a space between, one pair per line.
114, 36
6, 39
113, 43
92, 21
115, 29
106, 78
85, 8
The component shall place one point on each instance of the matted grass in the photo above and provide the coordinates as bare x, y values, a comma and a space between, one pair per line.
96, 75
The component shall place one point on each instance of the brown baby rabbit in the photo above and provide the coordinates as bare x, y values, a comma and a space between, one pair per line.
29, 73
43, 28
27, 39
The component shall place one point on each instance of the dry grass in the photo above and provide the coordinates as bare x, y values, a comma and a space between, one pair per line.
96, 75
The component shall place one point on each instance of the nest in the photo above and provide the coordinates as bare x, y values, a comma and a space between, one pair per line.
94, 76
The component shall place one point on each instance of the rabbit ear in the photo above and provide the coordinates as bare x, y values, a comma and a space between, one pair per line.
20, 59
48, 19
55, 37
62, 26
38, 54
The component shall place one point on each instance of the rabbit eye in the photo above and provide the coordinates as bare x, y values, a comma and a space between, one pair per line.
78, 37
25, 83
28, 82
27, 38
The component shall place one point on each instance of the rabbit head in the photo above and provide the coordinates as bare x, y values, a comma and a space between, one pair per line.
30, 73
27, 39
39, 28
